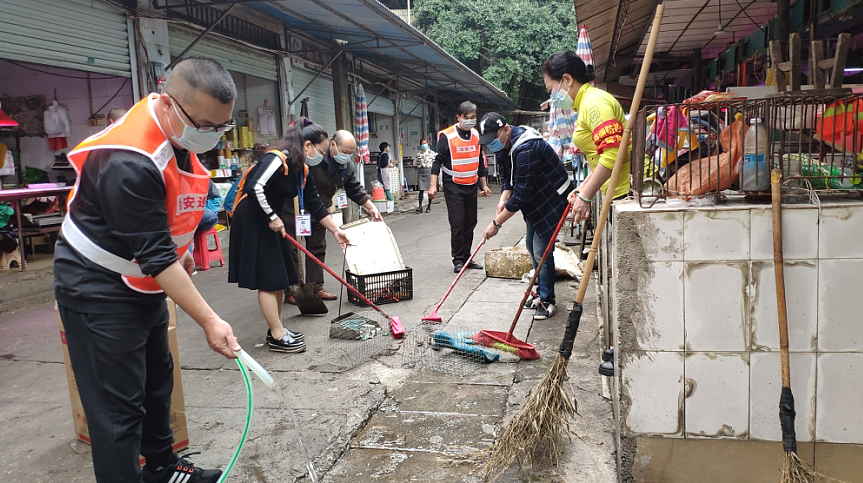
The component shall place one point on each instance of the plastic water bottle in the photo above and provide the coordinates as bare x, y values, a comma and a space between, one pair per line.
755, 172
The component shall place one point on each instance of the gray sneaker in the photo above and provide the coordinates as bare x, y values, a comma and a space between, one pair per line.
544, 311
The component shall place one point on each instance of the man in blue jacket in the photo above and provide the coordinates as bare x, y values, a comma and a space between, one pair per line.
534, 182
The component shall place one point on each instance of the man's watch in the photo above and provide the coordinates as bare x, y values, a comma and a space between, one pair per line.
496, 224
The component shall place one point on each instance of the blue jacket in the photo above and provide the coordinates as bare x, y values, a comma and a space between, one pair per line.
537, 178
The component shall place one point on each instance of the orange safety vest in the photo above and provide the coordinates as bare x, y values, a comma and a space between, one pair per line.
464, 156
139, 131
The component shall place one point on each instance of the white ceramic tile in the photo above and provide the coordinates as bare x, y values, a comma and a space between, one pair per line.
660, 234
717, 395
838, 417
716, 235
799, 234
715, 306
765, 381
840, 232
840, 324
653, 384
801, 301
658, 307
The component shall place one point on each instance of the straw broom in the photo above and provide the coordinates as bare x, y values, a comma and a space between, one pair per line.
536, 433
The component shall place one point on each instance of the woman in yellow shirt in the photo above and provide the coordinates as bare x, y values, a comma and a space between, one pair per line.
598, 129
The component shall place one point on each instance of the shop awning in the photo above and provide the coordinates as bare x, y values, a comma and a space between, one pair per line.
373, 32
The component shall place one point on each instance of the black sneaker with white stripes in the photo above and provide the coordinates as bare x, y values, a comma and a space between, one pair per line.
297, 336
532, 301
544, 311
287, 344
183, 472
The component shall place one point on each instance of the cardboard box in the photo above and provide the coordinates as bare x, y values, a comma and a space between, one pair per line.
178, 405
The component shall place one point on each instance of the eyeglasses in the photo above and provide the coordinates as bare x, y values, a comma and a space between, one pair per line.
221, 128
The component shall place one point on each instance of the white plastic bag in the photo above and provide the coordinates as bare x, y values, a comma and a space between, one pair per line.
57, 121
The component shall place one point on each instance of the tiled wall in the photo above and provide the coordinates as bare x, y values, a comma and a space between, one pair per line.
695, 312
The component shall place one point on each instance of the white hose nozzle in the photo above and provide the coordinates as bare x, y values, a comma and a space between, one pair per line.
252, 364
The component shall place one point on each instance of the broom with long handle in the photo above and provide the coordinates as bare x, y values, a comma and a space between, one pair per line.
546, 414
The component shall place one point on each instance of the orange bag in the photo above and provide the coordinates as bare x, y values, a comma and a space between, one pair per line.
713, 173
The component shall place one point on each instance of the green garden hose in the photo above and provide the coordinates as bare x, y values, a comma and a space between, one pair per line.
251, 398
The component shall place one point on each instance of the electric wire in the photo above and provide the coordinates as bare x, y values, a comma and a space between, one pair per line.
112, 97
59, 75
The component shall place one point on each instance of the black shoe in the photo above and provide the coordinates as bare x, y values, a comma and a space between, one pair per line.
474, 266
183, 471
607, 369
532, 302
544, 311
608, 354
428, 209
420, 209
457, 267
287, 344
297, 336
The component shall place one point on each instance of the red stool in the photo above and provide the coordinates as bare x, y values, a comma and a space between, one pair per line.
202, 253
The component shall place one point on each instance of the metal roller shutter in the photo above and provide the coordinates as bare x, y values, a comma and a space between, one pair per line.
233, 55
85, 35
412, 107
383, 105
322, 108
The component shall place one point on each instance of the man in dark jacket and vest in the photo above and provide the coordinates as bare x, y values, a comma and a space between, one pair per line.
533, 181
458, 156
336, 181
123, 248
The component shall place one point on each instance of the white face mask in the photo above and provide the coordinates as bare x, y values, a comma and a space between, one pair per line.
467, 124
342, 158
194, 140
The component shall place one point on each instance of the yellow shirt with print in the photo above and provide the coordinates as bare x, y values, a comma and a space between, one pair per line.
600, 119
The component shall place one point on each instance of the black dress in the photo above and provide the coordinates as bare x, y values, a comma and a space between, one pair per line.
258, 257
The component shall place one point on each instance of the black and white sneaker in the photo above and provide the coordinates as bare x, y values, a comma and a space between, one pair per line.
287, 344
183, 472
544, 311
297, 336
532, 301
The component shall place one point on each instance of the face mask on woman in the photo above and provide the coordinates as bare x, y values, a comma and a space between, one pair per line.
561, 99
424, 147
316, 160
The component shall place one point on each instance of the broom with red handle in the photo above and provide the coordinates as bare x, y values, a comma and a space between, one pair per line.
433, 317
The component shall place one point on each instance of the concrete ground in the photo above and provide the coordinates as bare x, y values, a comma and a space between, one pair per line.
390, 419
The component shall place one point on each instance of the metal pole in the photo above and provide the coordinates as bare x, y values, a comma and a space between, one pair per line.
205, 32
315, 77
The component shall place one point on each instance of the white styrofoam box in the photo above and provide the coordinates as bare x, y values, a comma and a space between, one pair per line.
840, 390
659, 323
716, 235
384, 206
717, 394
839, 321
391, 206
801, 301
799, 233
373, 248
653, 382
765, 380
716, 306
840, 232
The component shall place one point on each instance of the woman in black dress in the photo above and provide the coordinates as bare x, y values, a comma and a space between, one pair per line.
260, 256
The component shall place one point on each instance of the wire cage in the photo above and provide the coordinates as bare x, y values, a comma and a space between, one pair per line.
352, 339
444, 348
689, 149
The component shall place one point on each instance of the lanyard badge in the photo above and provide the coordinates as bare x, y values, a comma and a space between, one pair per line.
302, 221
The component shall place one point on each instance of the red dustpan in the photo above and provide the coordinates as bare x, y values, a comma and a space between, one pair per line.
505, 341
433, 317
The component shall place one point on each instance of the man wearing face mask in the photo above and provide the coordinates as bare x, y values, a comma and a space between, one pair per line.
336, 181
458, 156
138, 198
533, 181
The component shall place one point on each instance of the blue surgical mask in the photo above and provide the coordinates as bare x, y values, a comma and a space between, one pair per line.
496, 145
316, 160
424, 146
561, 99
342, 158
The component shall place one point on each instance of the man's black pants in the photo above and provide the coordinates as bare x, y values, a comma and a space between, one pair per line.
124, 372
461, 207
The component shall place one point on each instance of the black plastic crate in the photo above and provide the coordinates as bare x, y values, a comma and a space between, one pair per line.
382, 288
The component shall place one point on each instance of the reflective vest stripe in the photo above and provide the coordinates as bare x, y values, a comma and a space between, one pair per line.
459, 174
466, 161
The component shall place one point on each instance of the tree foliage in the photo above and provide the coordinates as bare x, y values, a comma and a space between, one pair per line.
504, 41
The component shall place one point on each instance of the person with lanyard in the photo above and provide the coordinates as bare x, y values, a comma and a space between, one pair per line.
426, 159
336, 182
260, 258
598, 134
123, 248
458, 156
533, 181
